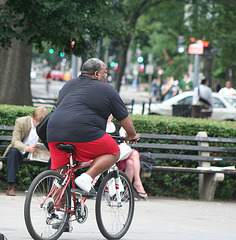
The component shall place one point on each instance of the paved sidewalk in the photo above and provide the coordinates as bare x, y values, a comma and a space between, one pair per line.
158, 218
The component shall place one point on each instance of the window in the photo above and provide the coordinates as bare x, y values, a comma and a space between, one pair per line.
217, 103
187, 100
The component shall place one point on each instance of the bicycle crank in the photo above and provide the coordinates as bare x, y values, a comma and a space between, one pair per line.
81, 213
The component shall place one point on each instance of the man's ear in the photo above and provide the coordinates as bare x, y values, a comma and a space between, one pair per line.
96, 74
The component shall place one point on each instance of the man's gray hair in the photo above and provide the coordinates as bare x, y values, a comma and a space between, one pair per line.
91, 66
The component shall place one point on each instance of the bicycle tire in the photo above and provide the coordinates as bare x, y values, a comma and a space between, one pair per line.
40, 219
114, 220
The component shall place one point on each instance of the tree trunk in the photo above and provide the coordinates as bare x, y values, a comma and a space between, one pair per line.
229, 75
122, 64
208, 70
15, 65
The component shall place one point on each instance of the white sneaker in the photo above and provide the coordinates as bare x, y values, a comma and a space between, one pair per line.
84, 182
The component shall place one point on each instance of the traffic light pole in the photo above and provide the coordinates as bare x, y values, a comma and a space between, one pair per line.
74, 63
196, 74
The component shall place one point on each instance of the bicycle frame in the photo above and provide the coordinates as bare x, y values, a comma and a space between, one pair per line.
69, 177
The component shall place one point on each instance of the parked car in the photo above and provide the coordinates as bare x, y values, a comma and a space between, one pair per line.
57, 75
222, 109
231, 99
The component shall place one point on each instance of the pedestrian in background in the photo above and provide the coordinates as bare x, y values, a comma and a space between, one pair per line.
48, 79
228, 90
202, 96
186, 84
170, 89
154, 88
23, 142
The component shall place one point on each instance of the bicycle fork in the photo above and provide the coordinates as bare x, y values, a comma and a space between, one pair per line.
117, 184
109, 189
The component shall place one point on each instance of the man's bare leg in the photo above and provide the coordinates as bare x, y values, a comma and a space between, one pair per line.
99, 165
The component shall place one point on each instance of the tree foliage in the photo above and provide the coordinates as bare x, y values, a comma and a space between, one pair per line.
214, 21
56, 22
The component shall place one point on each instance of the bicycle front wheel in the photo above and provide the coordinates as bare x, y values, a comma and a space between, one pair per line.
42, 220
114, 217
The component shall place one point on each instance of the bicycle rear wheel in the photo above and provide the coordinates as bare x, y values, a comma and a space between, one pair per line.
42, 221
114, 218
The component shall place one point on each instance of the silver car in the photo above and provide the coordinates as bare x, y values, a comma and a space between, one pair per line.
222, 109
231, 99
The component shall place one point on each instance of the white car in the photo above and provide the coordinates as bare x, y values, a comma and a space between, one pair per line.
222, 109
231, 99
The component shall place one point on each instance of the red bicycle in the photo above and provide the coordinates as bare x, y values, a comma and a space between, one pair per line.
53, 202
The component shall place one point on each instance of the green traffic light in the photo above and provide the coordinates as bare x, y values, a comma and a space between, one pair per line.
112, 64
62, 54
140, 59
51, 51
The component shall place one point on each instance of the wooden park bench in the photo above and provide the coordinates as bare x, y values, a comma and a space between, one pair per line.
200, 149
183, 148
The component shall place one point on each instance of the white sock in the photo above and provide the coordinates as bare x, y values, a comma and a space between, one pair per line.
84, 181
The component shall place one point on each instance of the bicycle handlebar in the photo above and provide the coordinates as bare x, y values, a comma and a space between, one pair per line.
121, 139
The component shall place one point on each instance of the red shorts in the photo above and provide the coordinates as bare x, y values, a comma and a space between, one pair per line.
84, 152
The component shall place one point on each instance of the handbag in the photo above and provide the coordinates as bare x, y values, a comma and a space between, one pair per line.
41, 128
147, 161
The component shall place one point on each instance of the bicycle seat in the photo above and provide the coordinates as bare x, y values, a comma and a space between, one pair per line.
66, 147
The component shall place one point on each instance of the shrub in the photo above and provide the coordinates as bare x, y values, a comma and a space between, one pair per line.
164, 184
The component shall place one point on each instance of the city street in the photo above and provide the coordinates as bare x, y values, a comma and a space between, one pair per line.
38, 89
156, 219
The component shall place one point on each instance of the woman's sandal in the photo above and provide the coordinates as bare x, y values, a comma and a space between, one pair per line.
144, 198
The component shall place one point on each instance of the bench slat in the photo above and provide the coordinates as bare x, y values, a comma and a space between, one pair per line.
5, 138
183, 147
193, 157
3, 147
6, 128
27, 161
186, 138
190, 170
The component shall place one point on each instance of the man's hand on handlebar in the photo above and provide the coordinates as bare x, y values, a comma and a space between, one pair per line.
132, 139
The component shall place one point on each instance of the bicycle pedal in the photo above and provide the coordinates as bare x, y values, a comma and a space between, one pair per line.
78, 191
91, 193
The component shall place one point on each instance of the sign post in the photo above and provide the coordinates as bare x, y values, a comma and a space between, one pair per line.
196, 49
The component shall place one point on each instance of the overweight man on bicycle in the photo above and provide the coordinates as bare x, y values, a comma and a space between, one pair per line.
80, 119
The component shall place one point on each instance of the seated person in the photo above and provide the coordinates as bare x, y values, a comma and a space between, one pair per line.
130, 165
23, 142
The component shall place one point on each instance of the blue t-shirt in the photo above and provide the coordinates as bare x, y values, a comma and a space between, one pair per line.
82, 114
